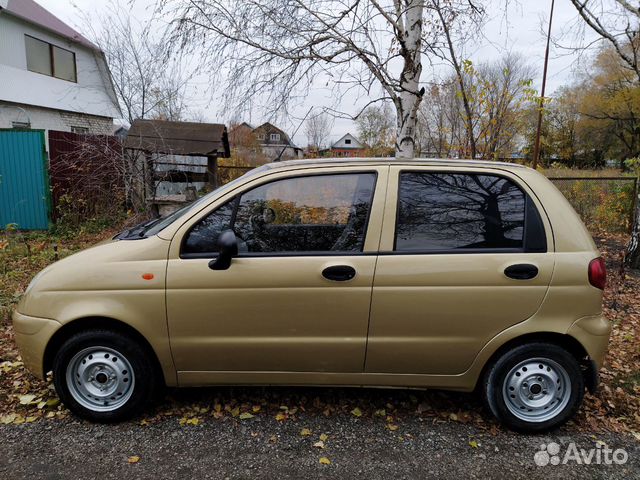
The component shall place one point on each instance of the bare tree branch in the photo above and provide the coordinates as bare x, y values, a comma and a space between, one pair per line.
271, 52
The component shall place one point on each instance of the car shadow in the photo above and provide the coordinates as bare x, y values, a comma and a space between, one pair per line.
292, 401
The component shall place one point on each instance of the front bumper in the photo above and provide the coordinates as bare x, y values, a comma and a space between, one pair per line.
32, 335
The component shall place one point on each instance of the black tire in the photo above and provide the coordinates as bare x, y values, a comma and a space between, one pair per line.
143, 378
495, 390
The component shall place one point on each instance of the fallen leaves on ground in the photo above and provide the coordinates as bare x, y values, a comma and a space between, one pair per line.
324, 461
133, 459
189, 421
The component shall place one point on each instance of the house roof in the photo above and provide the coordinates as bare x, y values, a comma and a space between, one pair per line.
268, 128
357, 146
33, 13
180, 138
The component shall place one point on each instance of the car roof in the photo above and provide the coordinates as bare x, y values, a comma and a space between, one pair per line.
323, 162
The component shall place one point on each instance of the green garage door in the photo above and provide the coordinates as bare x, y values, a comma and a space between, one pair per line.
24, 186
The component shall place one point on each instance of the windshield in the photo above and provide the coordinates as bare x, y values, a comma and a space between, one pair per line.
153, 227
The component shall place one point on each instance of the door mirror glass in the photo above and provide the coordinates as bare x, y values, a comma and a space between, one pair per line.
227, 249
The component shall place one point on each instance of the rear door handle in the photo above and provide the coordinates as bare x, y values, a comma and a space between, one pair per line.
521, 271
339, 273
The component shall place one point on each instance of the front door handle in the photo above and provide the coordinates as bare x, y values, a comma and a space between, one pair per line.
339, 273
521, 271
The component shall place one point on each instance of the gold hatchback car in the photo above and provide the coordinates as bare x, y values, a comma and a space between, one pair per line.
456, 275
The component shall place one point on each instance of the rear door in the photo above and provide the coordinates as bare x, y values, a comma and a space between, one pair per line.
463, 255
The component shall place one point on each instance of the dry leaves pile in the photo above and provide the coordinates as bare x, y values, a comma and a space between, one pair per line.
616, 407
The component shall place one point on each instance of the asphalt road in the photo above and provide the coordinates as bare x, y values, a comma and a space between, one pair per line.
263, 447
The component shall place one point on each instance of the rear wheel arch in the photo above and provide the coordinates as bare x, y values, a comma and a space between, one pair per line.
569, 343
97, 323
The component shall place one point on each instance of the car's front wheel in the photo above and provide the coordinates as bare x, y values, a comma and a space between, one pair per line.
103, 375
534, 387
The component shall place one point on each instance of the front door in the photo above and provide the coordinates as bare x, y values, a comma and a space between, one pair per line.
297, 297
463, 256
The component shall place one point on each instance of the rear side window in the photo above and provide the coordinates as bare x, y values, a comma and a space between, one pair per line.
457, 211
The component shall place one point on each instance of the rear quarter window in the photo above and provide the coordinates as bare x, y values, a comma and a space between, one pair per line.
464, 212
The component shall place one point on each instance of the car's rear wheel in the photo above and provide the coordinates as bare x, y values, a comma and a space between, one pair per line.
534, 387
103, 375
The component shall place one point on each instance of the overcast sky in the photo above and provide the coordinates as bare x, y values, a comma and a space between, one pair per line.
519, 30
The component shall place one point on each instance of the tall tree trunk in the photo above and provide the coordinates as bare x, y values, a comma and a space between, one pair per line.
632, 256
408, 101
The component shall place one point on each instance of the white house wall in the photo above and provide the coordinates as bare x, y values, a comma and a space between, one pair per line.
21, 86
272, 152
48, 119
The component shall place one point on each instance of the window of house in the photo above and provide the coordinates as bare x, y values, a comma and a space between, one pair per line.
64, 64
448, 211
79, 129
347, 141
275, 137
20, 125
48, 59
261, 136
321, 213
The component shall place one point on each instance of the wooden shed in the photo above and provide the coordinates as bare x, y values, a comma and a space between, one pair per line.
158, 140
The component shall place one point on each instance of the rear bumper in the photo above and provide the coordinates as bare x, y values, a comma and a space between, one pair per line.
593, 333
32, 335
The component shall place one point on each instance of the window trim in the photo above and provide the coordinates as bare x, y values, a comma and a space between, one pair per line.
527, 221
51, 59
236, 199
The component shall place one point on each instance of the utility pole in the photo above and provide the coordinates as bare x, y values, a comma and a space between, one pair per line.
536, 148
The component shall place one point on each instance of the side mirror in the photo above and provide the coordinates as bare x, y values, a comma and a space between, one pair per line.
227, 249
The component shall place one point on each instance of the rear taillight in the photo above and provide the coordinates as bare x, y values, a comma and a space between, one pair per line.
598, 273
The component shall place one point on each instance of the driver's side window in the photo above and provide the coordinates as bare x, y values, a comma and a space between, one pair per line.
319, 213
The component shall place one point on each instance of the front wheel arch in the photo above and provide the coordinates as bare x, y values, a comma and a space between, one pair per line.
98, 323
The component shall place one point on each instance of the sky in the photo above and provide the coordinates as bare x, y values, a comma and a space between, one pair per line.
519, 28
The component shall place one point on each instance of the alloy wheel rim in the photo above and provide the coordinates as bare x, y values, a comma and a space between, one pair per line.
100, 378
537, 389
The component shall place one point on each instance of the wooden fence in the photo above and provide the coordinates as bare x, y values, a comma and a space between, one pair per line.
86, 174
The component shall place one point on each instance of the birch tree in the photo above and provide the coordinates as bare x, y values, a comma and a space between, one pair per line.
276, 49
